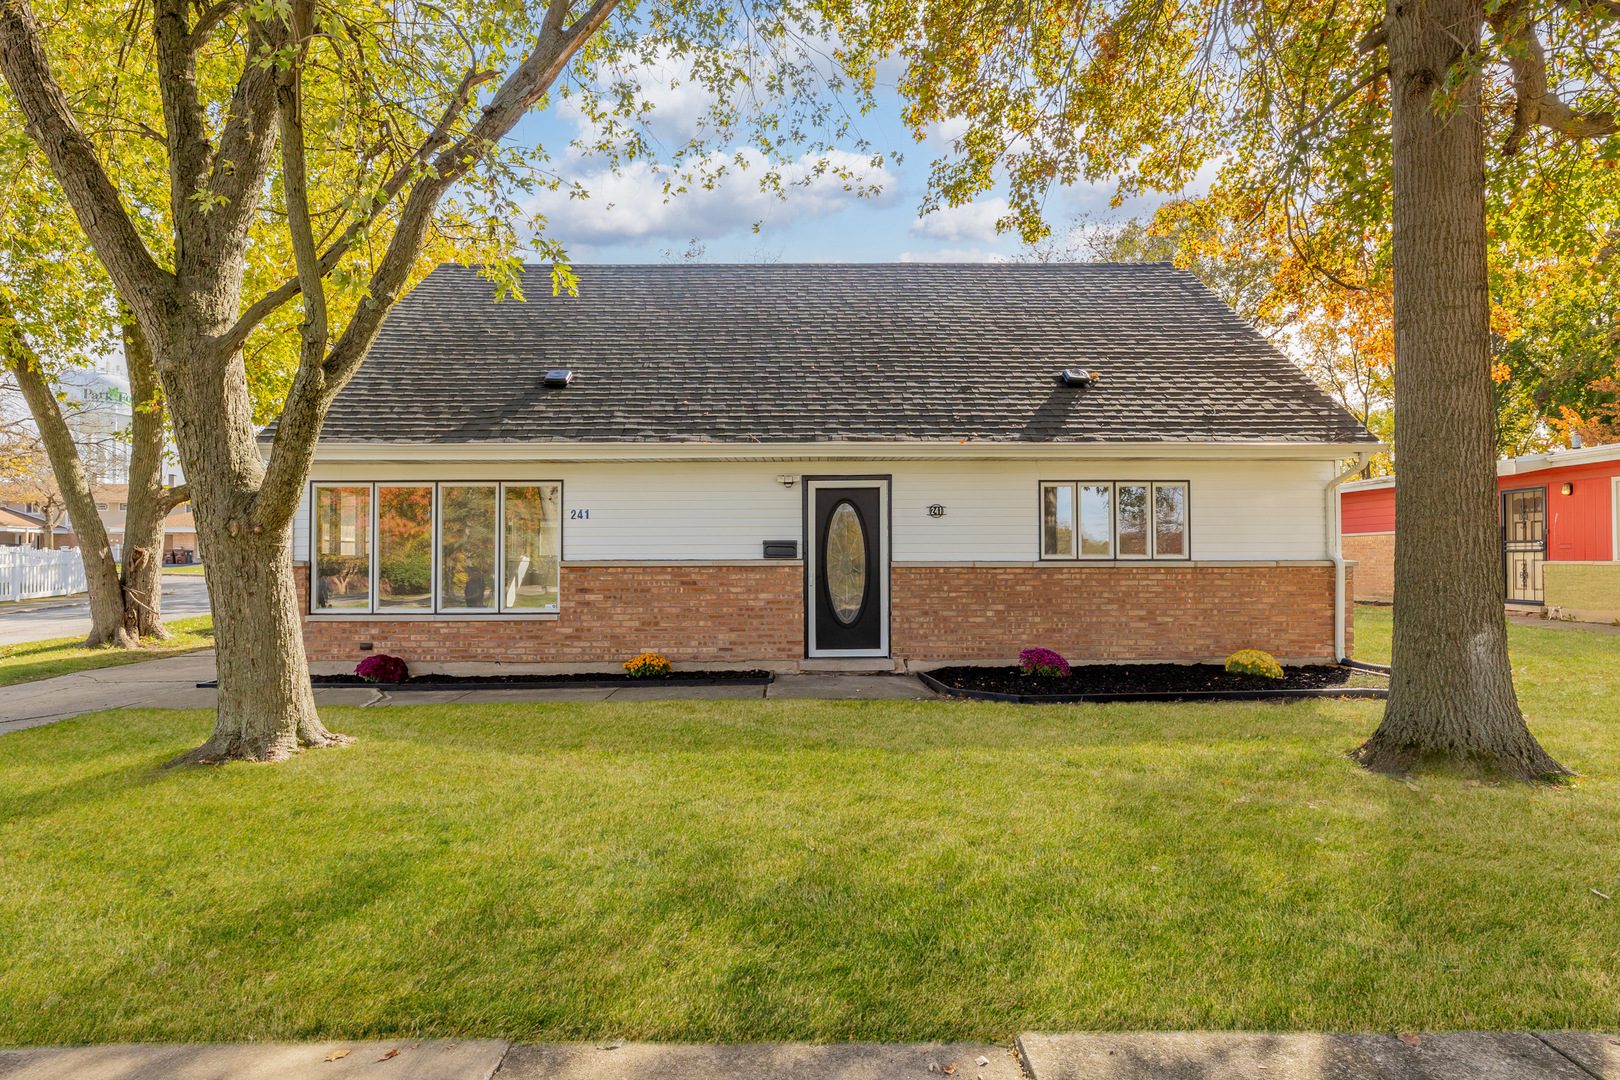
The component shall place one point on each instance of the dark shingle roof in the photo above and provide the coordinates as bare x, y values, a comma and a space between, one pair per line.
783, 353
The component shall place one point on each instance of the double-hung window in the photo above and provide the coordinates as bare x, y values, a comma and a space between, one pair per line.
1094, 519
449, 548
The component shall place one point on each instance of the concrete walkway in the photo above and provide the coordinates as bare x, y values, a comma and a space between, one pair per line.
171, 683
1159, 1056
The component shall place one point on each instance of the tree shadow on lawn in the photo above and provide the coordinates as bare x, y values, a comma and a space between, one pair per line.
701, 871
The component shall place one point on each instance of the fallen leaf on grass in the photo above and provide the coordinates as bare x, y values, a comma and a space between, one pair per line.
949, 1069
392, 1053
336, 1054
1410, 1039
983, 1061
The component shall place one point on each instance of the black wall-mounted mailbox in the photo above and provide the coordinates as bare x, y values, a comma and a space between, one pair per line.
781, 549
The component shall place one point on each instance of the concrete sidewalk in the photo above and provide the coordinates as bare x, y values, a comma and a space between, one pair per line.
1157, 1056
171, 683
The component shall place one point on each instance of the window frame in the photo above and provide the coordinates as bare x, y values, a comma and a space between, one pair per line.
498, 610
376, 548
1113, 487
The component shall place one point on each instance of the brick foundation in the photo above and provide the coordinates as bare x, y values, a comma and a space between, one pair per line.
1113, 612
1374, 555
734, 615
609, 613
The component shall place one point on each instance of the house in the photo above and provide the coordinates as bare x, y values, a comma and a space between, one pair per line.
801, 467
179, 527
22, 525
1558, 520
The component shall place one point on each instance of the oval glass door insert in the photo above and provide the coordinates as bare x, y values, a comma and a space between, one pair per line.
845, 563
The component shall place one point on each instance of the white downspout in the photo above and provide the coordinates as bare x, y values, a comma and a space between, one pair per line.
1335, 539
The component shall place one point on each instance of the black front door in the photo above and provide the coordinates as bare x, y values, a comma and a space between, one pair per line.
847, 572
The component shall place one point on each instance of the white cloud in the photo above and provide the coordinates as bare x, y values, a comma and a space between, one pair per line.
973, 221
951, 255
630, 206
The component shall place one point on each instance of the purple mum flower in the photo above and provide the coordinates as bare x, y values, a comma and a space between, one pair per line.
1042, 662
383, 668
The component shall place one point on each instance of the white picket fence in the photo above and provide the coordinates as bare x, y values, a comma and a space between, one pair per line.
26, 574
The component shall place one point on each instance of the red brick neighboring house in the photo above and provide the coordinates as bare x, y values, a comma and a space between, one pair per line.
799, 467
1558, 527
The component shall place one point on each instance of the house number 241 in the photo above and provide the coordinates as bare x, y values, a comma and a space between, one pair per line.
578, 515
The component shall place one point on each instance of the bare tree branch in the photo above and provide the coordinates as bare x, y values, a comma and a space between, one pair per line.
173, 497
210, 19
1535, 102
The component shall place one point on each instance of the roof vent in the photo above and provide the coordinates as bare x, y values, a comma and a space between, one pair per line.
1078, 377
557, 378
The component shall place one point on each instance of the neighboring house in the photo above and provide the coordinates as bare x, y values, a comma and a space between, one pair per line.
863, 466
1558, 526
179, 528
24, 526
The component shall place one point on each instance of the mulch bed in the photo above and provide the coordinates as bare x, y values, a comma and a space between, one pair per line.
1144, 682
576, 681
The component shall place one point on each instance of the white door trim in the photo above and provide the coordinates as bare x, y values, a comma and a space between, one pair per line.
812, 558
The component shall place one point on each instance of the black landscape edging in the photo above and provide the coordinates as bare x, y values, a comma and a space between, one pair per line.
1360, 692
468, 684
1362, 665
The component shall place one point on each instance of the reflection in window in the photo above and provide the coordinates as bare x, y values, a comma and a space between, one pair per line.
1096, 526
1169, 521
404, 547
533, 541
1133, 521
1057, 521
342, 548
467, 548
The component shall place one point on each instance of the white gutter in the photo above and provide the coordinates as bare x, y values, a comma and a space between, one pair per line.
1336, 550
920, 450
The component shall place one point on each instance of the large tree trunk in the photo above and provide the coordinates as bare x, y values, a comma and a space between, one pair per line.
149, 501
1451, 696
100, 570
266, 706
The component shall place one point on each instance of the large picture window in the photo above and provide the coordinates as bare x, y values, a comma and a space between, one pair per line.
1087, 519
342, 541
454, 548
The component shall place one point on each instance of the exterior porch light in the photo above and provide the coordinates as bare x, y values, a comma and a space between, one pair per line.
1569, 489
786, 479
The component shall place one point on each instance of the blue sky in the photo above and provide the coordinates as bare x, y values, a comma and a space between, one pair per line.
627, 219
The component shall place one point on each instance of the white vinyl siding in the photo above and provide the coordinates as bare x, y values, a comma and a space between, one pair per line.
1239, 511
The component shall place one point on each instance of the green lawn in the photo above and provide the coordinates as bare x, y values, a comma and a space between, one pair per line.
810, 870
63, 656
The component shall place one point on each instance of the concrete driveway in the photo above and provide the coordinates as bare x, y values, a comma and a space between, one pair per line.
184, 595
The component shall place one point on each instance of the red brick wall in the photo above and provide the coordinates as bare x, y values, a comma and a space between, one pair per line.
1112, 613
609, 613
1374, 555
750, 613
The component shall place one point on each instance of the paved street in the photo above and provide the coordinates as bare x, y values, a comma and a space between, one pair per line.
184, 595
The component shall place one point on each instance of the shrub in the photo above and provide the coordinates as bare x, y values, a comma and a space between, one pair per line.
1254, 662
383, 668
649, 665
1043, 662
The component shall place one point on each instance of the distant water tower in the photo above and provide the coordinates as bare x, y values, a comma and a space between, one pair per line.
98, 412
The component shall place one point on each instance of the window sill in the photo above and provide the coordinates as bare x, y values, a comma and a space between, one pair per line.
432, 616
